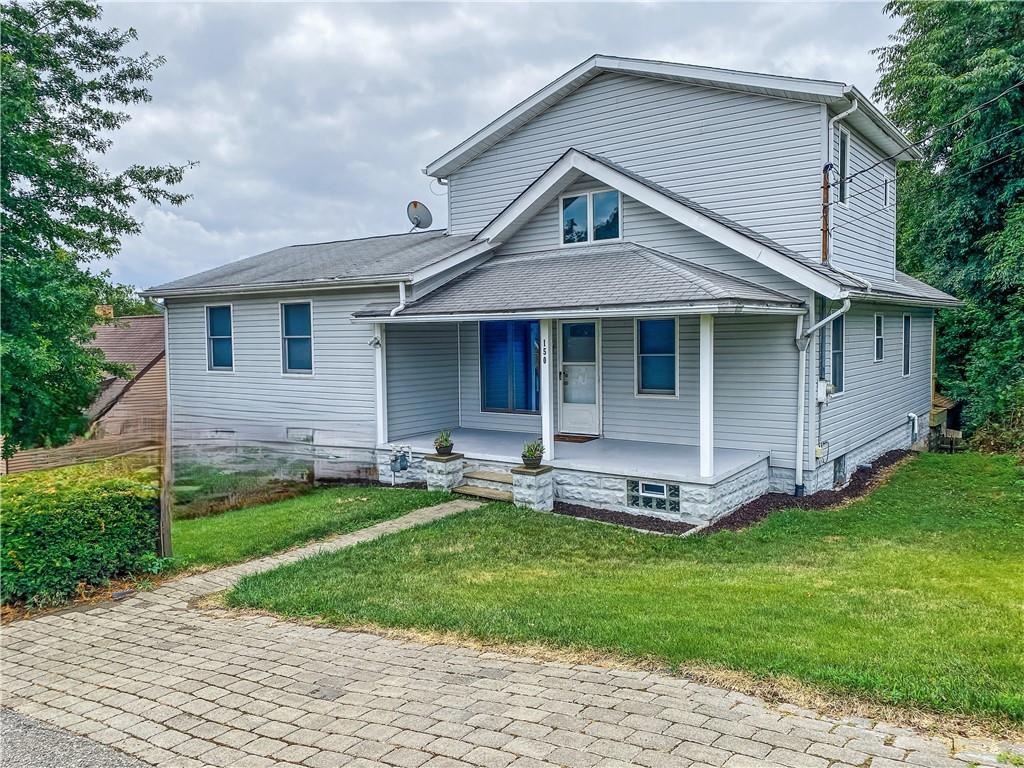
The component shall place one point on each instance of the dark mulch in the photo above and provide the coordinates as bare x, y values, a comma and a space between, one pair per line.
862, 481
640, 522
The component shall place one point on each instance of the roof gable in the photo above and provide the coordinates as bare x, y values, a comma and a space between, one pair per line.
576, 163
869, 120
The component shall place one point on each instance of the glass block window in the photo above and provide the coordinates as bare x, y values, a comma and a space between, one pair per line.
652, 495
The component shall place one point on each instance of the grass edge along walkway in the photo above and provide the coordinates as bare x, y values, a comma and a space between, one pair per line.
909, 596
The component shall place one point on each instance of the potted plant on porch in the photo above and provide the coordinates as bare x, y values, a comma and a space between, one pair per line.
533, 452
443, 443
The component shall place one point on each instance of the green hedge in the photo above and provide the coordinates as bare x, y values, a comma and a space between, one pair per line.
74, 525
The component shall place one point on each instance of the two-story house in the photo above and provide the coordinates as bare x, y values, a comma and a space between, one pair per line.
633, 272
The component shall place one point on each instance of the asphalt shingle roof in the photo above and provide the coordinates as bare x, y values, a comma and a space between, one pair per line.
586, 277
384, 256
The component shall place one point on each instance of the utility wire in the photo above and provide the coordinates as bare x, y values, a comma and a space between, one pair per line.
953, 177
931, 135
954, 155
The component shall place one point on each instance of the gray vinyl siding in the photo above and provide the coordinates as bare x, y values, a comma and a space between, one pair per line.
472, 415
422, 378
864, 230
256, 401
754, 387
876, 397
645, 226
752, 158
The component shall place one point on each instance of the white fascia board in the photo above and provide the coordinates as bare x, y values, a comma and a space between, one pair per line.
304, 286
553, 180
469, 252
722, 308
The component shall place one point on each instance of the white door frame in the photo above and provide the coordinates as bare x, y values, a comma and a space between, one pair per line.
597, 370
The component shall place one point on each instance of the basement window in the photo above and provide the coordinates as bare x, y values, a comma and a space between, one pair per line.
650, 495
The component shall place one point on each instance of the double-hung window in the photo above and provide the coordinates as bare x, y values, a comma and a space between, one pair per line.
219, 345
656, 356
591, 217
297, 337
510, 366
906, 345
879, 337
844, 164
838, 352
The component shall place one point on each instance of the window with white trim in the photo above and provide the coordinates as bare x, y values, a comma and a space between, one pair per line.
297, 337
219, 343
656, 346
906, 345
844, 164
838, 353
591, 217
879, 337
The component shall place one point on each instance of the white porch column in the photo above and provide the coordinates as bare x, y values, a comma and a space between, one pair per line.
380, 373
547, 413
707, 392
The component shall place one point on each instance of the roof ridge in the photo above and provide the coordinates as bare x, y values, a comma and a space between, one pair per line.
358, 239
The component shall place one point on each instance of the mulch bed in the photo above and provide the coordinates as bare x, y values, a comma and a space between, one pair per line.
862, 481
640, 522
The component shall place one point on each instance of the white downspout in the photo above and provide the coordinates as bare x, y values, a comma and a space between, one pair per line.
803, 341
831, 132
401, 300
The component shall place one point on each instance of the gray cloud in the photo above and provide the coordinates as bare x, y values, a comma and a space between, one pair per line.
312, 121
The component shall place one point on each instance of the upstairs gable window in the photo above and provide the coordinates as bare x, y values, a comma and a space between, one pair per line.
591, 217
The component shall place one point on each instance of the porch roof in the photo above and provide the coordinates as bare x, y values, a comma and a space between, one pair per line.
591, 280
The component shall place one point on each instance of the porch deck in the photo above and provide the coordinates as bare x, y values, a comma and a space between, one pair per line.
663, 461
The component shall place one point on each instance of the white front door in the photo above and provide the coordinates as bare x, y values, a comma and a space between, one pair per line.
579, 377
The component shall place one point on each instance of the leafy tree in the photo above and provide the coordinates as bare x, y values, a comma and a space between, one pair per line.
126, 301
961, 211
64, 81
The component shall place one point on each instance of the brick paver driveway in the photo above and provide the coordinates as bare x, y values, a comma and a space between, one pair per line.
177, 686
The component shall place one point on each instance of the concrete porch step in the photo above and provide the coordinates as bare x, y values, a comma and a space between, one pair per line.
483, 493
489, 476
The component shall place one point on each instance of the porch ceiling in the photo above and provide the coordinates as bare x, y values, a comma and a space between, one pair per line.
590, 280
627, 458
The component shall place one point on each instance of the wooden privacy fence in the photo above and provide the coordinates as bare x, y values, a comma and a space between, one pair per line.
86, 450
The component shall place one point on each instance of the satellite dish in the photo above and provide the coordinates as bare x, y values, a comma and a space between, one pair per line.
419, 215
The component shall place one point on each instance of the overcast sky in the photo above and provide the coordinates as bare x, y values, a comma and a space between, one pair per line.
312, 122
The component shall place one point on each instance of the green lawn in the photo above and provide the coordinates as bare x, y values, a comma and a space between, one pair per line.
263, 529
912, 595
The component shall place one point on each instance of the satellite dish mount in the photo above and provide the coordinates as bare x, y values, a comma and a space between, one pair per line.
419, 215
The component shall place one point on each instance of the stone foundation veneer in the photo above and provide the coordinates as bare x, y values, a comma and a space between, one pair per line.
821, 479
444, 472
699, 503
533, 488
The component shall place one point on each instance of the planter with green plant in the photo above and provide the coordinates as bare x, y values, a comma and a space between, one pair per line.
533, 452
443, 443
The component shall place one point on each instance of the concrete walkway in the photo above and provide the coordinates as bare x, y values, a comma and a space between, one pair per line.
175, 686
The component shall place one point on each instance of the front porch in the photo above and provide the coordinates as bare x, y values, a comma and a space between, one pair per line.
625, 458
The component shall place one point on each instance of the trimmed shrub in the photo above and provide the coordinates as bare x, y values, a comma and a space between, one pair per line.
74, 526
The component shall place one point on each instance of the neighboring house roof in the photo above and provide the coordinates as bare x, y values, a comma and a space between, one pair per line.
137, 341
594, 278
868, 120
360, 261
